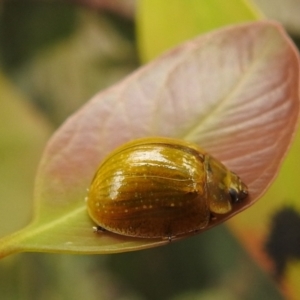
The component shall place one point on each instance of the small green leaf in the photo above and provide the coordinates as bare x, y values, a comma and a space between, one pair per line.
164, 24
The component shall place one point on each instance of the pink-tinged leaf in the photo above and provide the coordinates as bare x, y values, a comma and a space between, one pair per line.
235, 92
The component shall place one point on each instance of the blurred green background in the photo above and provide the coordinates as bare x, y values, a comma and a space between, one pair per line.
209, 266
55, 55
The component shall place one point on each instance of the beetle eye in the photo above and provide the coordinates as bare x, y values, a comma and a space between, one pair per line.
234, 195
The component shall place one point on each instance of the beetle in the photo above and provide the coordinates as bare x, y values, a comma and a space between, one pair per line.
161, 188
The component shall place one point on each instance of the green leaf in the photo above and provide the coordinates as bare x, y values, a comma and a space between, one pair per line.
232, 91
163, 24
23, 134
286, 12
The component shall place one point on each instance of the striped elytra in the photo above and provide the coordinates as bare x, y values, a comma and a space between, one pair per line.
161, 188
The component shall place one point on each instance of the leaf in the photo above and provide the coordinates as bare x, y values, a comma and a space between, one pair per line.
232, 91
163, 24
287, 12
23, 135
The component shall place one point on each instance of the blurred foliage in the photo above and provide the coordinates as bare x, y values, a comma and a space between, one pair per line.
58, 55
27, 28
208, 266
286, 12
162, 26
124, 8
23, 134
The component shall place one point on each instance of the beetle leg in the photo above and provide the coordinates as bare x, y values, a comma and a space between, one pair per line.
98, 229
169, 238
212, 217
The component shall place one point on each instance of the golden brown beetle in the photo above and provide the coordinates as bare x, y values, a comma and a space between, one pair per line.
161, 188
